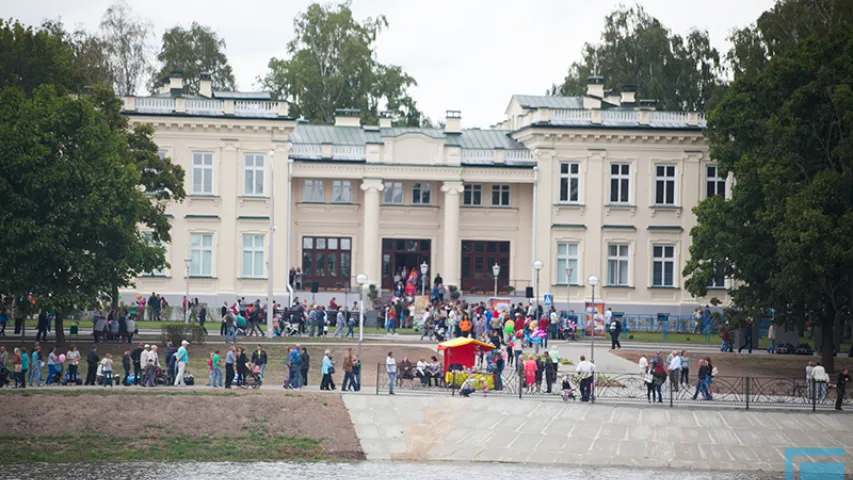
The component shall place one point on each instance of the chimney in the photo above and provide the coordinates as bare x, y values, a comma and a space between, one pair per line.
205, 85
347, 117
176, 83
628, 94
648, 104
385, 119
611, 97
453, 122
164, 85
595, 86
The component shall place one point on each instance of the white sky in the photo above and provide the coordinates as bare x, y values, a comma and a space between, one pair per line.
468, 55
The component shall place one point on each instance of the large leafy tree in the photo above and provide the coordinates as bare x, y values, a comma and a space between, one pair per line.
30, 57
332, 64
786, 235
195, 51
126, 40
680, 72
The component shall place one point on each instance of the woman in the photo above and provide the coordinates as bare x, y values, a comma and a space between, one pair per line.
540, 370
52, 360
530, 373
434, 372
35, 367
421, 372
107, 370
550, 372
19, 380
242, 360
685, 369
406, 374
712, 372
306, 363
131, 326
328, 368
356, 373
73, 359
648, 379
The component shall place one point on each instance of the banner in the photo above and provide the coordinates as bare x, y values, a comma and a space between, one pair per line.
596, 313
500, 304
421, 304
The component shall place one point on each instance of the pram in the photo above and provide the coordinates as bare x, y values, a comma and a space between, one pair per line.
253, 377
158, 376
289, 329
568, 392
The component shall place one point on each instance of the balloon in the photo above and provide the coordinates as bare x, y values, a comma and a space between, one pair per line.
62, 358
138, 296
509, 327
519, 334
533, 325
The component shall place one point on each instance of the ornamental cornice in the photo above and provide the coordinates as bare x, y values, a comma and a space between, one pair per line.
608, 137
320, 169
215, 125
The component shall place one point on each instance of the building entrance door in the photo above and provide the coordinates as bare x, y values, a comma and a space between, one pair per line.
403, 254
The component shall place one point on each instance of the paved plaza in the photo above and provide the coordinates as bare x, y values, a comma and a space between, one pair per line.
545, 432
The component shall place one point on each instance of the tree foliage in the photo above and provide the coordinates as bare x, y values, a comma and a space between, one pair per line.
786, 235
332, 64
680, 72
30, 57
126, 40
195, 51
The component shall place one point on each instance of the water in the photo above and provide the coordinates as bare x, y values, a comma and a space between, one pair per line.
349, 471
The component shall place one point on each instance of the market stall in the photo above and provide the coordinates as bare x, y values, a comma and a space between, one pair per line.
459, 358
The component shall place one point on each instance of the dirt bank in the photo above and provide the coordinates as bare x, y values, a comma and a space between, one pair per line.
252, 426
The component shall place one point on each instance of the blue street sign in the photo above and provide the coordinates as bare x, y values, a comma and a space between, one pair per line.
548, 300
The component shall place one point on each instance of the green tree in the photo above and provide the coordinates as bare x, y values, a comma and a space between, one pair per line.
195, 51
31, 57
126, 39
332, 64
786, 235
681, 73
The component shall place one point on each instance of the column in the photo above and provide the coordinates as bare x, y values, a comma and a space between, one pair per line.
451, 257
371, 261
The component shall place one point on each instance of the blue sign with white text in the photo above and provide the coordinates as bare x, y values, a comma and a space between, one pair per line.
812, 470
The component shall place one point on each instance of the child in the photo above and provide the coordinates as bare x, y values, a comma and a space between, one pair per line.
530, 373
107, 370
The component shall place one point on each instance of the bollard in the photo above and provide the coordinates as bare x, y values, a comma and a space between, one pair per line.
671, 388
378, 366
748, 382
520, 382
814, 395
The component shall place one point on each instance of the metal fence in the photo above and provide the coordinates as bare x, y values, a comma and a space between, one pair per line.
738, 392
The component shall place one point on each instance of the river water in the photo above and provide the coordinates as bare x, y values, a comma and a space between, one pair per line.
372, 470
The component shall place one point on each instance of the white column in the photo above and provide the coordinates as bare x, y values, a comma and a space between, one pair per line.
372, 264
451, 257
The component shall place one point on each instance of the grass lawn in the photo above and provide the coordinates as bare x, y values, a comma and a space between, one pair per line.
657, 337
86, 327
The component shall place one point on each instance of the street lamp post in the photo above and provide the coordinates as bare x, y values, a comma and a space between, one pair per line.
189, 263
270, 303
537, 266
496, 271
569, 271
593, 281
361, 279
424, 270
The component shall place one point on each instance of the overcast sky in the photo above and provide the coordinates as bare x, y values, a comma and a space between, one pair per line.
467, 55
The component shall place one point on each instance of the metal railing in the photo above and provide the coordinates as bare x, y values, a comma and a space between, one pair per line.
255, 107
584, 115
205, 106
155, 104
516, 155
348, 152
477, 154
737, 392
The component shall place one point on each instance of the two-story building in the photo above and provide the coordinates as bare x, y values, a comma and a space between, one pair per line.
596, 185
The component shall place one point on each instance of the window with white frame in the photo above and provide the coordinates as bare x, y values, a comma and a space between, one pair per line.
500, 195
149, 240
663, 265
253, 174
714, 184
617, 265
567, 259
421, 194
620, 183
201, 254
203, 173
312, 191
570, 181
665, 185
473, 195
341, 191
393, 193
719, 278
253, 256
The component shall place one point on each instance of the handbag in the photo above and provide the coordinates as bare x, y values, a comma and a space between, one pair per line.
649, 378
331, 370
714, 372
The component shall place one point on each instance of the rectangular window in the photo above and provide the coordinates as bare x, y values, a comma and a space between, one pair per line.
620, 183
201, 254
719, 279
500, 195
714, 184
570, 181
253, 175
567, 258
253, 256
665, 185
202, 173
617, 265
420, 194
663, 266
327, 260
473, 196
312, 191
162, 154
394, 193
341, 191
160, 272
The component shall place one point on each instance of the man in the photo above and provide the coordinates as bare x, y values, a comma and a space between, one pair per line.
643, 364
294, 361
340, 320
771, 335
615, 330
170, 361
673, 362
181, 358
841, 388
4, 357
151, 301
259, 358
701, 381
333, 304
42, 325
349, 379
202, 317
586, 371
230, 358
747, 337
136, 357
230, 327
391, 369
608, 317
92, 359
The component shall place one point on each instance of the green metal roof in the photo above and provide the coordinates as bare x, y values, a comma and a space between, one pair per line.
547, 101
468, 139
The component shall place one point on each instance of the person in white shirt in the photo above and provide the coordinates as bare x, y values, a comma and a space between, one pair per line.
586, 371
821, 379
391, 368
643, 364
674, 368
608, 316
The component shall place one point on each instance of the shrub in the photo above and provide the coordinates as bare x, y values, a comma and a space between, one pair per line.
454, 292
176, 332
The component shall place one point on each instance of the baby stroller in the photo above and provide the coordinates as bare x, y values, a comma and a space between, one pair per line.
253, 377
290, 330
568, 392
440, 335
